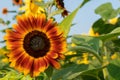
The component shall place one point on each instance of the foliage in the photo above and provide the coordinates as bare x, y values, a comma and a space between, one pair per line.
90, 58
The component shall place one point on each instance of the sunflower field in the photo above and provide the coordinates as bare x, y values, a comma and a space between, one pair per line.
36, 46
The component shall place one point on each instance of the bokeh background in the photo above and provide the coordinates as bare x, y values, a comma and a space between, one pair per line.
83, 20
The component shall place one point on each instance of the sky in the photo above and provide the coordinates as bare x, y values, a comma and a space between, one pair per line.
83, 20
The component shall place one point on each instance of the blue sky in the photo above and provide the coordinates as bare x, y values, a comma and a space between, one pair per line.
84, 18
86, 15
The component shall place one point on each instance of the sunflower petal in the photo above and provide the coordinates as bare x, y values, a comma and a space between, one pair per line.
54, 63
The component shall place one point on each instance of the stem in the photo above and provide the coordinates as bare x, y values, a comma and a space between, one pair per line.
105, 73
12, 11
49, 7
88, 50
35, 78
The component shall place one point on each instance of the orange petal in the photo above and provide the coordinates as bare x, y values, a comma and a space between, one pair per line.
19, 64
27, 64
15, 54
43, 64
18, 29
49, 25
41, 20
54, 63
12, 35
22, 23
52, 54
61, 56
36, 66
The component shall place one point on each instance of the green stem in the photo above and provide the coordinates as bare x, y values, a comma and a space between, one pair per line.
35, 78
12, 11
81, 48
105, 73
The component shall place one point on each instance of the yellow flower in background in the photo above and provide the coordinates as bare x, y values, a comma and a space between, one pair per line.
73, 45
31, 7
104, 57
113, 21
5, 60
71, 52
92, 33
3, 52
93, 58
73, 59
78, 59
114, 56
84, 59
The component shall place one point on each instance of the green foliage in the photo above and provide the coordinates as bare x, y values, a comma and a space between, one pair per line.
14, 75
114, 69
66, 72
1, 20
87, 41
106, 11
111, 35
65, 25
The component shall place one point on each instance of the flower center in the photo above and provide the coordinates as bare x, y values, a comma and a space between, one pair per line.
17, 1
36, 44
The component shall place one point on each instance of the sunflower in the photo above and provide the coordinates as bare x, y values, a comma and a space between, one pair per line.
92, 33
34, 44
31, 7
60, 5
17, 2
4, 10
113, 20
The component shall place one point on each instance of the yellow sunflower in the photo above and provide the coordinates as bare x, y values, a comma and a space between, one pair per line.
31, 7
92, 33
34, 44
113, 20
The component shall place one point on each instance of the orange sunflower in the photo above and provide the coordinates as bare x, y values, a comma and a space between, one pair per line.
34, 44
4, 10
60, 5
17, 2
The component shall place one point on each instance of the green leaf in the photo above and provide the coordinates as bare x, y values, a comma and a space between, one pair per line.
86, 49
55, 13
11, 75
49, 72
114, 69
64, 73
87, 44
2, 21
26, 78
102, 27
43, 4
7, 22
110, 36
87, 41
92, 72
118, 10
106, 11
65, 25
116, 30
